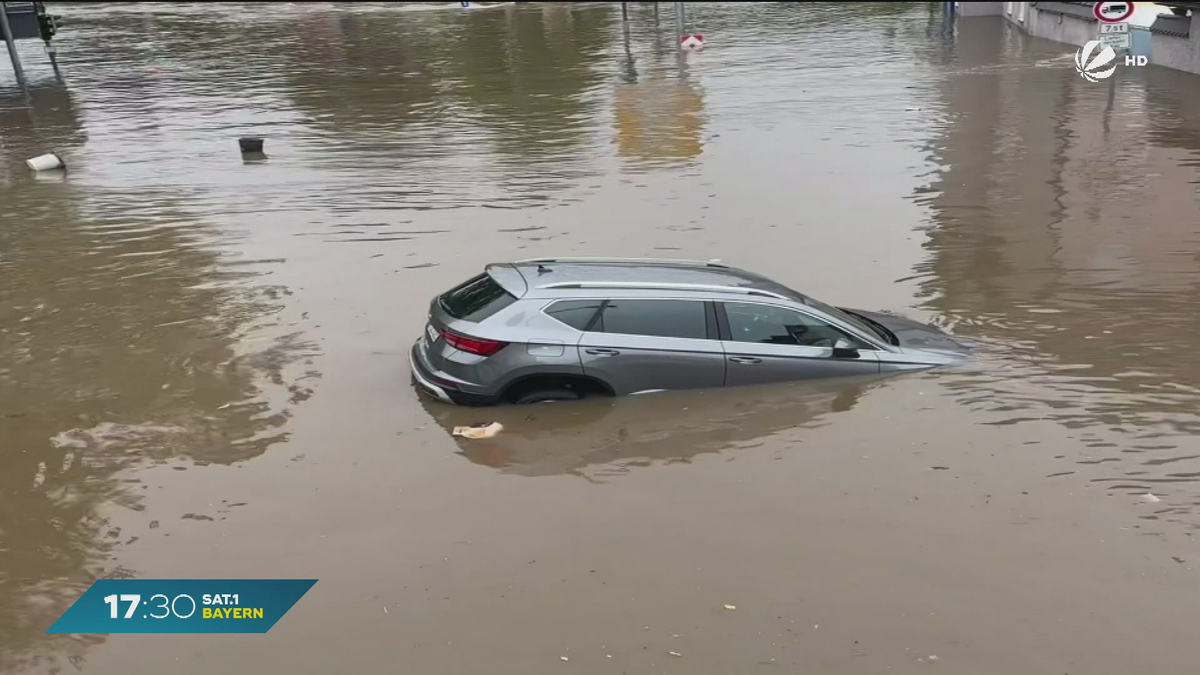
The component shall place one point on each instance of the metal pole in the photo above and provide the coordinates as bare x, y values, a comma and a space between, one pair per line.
630, 66
678, 23
6, 30
625, 11
53, 52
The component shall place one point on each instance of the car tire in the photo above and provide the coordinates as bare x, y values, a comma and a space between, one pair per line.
548, 396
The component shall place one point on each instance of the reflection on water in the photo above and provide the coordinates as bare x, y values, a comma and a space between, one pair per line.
154, 299
603, 437
659, 121
122, 341
127, 342
1066, 229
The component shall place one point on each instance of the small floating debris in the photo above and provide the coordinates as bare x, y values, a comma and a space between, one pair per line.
730, 607
1150, 498
47, 162
478, 430
251, 143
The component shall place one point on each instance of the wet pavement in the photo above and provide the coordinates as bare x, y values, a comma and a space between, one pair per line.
204, 366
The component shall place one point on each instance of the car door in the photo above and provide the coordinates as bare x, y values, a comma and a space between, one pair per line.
768, 343
646, 345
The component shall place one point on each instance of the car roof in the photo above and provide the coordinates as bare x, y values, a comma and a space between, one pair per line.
555, 277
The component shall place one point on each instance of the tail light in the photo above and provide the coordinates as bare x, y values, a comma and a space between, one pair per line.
473, 345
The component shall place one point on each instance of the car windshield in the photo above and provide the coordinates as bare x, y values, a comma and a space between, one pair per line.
849, 318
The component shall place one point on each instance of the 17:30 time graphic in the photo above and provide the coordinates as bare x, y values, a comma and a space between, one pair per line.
168, 607
181, 606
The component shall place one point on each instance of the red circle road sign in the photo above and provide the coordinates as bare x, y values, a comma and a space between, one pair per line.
1112, 12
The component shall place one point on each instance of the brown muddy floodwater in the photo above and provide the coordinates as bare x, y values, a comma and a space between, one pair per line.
203, 368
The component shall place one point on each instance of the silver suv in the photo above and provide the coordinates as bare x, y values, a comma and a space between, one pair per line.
555, 329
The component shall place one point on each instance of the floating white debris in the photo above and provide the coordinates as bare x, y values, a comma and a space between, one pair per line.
479, 430
730, 606
46, 162
564, 658
675, 654
1149, 497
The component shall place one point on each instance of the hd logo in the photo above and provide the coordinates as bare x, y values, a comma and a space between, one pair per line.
1098, 67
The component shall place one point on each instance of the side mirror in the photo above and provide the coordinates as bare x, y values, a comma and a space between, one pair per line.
844, 349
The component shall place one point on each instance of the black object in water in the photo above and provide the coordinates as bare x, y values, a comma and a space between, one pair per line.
251, 144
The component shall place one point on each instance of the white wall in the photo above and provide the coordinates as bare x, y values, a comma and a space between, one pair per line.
1176, 52
979, 8
1057, 27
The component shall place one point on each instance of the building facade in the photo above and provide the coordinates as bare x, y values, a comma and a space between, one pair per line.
1167, 35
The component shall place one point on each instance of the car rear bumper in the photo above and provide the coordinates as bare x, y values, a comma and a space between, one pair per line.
429, 383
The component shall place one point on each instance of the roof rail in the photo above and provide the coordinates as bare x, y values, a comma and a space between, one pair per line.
655, 285
643, 261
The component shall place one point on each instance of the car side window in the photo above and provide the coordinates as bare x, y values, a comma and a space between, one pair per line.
575, 313
780, 326
654, 318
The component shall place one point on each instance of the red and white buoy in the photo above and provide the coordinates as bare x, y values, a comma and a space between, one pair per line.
693, 41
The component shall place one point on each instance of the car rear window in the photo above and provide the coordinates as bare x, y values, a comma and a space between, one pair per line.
476, 299
655, 318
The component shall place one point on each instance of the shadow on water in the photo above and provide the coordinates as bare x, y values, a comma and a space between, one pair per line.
603, 437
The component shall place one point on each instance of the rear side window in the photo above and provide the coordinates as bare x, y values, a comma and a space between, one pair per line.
575, 313
476, 299
655, 318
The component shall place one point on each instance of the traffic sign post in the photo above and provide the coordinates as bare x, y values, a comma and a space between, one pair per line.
26, 21
1115, 35
10, 40
1112, 12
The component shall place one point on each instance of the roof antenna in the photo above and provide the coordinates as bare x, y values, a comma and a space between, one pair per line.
542, 269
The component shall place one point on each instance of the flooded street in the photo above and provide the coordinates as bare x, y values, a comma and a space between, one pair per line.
204, 368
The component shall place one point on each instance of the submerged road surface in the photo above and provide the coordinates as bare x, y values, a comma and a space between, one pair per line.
203, 359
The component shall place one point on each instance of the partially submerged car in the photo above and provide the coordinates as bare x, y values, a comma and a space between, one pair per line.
554, 329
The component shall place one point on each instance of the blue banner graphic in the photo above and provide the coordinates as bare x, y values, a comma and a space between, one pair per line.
182, 605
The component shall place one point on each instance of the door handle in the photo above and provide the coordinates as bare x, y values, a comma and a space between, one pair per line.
602, 352
745, 359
